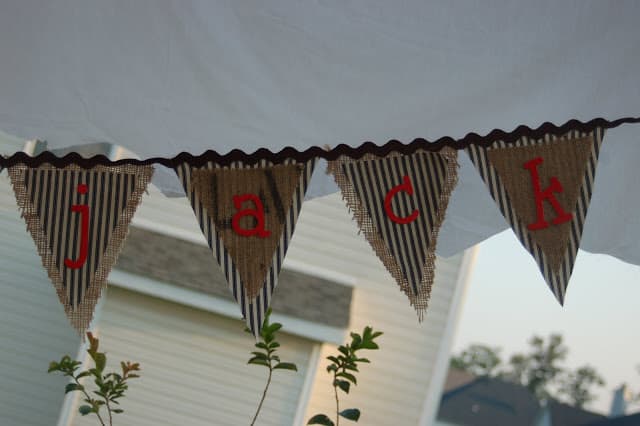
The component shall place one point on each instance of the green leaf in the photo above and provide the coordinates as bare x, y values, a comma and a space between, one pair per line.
85, 409
53, 366
258, 361
83, 374
369, 345
351, 414
272, 328
267, 320
320, 419
363, 360
286, 366
366, 333
73, 387
342, 384
274, 345
356, 340
260, 355
101, 361
262, 345
333, 359
117, 410
348, 376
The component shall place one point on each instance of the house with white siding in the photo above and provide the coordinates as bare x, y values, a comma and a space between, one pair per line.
168, 308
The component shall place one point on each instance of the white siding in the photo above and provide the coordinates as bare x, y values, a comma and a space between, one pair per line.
33, 327
194, 369
393, 389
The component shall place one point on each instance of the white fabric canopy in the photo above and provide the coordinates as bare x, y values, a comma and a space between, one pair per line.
163, 77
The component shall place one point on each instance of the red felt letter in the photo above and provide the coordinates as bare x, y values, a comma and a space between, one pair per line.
83, 209
258, 213
406, 187
547, 194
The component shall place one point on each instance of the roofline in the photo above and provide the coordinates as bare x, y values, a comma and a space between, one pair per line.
209, 303
196, 237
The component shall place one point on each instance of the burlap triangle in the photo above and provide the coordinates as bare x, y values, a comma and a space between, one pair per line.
566, 168
49, 196
203, 198
406, 249
566, 160
274, 186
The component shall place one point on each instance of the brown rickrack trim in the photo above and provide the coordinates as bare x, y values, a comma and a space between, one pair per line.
318, 152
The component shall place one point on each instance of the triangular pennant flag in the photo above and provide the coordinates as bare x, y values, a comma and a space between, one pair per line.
79, 219
248, 215
273, 188
399, 203
543, 189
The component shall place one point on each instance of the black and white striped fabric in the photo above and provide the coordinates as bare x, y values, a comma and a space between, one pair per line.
46, 196
253, 310
406, 249
372, 180
557, 281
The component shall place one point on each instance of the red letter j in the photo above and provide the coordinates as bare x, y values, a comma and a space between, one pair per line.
83, 209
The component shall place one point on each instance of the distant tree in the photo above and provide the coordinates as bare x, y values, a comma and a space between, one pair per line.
540, 367
517, 370
635, 396
575, 386
479, 360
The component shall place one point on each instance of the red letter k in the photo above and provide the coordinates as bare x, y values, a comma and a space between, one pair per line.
547, 194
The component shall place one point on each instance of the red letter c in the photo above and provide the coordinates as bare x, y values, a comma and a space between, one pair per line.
406, 187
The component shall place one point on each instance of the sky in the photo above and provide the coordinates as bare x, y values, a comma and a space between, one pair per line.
507, 301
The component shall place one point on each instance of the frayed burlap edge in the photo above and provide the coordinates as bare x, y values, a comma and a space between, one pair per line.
419, 300
201, 182
81, 317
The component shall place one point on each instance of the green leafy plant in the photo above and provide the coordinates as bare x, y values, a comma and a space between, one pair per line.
344, 367
266, 356
111, 386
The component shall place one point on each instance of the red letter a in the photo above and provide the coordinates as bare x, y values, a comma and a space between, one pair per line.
547, 194
258, 213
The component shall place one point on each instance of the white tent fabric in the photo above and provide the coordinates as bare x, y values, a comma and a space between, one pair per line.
163, 77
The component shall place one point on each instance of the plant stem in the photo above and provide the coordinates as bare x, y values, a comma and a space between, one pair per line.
335, 390
109, 411
89, 398
264, 395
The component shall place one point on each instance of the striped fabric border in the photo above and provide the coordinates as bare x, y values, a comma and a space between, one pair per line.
46, 195
253, 310
406, 250
557, 282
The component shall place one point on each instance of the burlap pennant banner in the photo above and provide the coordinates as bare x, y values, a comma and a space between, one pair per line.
399, 203
79, 219
543, 188
248, 215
